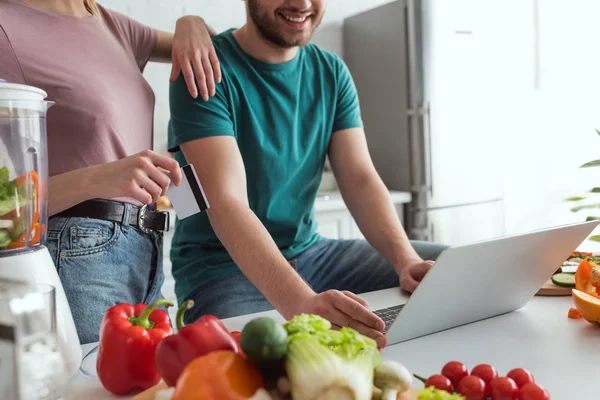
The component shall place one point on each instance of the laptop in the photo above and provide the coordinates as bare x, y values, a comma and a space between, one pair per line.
469, 283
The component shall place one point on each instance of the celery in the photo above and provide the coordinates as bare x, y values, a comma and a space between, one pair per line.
325, 364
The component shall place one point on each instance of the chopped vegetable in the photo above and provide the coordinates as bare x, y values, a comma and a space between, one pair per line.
392, 378
587, 277
325, 364
222, 375
564, 280
5, 238
431, 393
206, 335
574, 313
129, 335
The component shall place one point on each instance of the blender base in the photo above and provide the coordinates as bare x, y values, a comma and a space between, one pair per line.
36, 267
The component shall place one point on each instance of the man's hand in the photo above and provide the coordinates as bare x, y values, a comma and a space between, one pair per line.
345, 309
413, 273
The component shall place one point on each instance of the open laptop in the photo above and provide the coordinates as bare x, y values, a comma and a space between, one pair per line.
473, 282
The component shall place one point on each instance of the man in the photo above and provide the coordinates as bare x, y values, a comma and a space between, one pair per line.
259, 148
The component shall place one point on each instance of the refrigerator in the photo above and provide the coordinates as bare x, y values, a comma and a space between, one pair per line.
428, 76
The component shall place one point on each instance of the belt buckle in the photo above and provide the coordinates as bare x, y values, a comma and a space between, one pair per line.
142, 217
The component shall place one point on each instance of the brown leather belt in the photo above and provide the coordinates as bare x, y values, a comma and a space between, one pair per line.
146, 218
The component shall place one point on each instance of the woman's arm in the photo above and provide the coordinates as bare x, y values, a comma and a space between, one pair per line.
142, 176
190, 50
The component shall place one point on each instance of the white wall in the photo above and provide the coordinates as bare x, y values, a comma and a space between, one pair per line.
549, 127
554, 114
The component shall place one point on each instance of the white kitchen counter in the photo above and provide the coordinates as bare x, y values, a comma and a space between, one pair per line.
563, 354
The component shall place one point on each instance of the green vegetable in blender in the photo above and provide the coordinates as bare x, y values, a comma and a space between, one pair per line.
11, 196
325, 364
5, 239
431, 393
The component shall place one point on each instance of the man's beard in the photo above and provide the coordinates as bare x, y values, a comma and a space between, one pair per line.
271, 32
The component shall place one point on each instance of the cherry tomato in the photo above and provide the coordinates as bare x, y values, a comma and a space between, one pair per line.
455, 371
521, 377
533, 391
504, 389
440, 382
472, 388
487, 373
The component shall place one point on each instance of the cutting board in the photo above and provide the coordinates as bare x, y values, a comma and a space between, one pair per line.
550, 289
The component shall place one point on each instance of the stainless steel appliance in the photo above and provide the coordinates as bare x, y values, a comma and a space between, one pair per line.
427, 76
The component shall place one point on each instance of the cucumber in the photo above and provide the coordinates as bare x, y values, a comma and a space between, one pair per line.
264, 341
564, 280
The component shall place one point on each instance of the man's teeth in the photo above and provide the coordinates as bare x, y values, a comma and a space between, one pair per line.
302, 19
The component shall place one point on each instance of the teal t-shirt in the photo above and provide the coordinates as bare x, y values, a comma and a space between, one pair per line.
282, 117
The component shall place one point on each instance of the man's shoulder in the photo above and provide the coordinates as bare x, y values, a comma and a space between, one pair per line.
224, 42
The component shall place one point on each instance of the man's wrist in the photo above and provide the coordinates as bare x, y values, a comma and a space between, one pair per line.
298, 302
408, 259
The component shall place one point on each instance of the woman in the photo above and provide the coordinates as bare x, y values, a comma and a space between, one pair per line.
106, 245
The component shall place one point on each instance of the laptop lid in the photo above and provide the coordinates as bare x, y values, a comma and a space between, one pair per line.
472, 282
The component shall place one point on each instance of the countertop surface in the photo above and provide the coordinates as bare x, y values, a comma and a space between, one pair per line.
563, 354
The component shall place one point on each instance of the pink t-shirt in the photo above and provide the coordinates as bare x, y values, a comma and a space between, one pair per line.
91, 68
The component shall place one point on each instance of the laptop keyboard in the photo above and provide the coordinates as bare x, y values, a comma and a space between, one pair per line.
388, 315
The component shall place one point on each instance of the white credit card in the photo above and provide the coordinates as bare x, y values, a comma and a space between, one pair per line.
188, 199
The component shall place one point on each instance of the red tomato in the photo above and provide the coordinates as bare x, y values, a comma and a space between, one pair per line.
472, 388
440, 382
533, 391
455, 371
487, 373
504, 389
521, 377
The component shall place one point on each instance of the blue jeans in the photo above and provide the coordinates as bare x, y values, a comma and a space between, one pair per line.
102, 263
329, 264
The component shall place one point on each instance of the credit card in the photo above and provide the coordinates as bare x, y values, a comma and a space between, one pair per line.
188, 199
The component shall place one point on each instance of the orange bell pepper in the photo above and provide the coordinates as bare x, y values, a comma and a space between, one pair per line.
222, 375
587, 277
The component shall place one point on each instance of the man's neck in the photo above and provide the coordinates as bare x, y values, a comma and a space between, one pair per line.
74, 8
253, 43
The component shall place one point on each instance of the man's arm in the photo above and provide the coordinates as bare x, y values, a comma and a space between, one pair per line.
220, 168
371, 205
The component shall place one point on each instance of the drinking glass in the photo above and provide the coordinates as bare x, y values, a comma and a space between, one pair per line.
40, 366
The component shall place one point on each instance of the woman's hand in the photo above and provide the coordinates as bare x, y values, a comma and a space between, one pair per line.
194, 53
142, 176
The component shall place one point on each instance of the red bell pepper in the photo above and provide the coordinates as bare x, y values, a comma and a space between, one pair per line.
204, 336
129, 335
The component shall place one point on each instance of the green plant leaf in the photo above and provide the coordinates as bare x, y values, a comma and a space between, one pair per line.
590, 218
595, 163
595, 190
585, 207
598, 131
595, 238
575, 198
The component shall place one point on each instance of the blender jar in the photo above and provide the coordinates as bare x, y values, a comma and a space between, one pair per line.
23, 205
23, 168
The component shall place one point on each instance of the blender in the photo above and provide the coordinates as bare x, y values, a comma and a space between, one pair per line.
23, 205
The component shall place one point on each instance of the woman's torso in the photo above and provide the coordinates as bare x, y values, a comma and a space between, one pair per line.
91, 68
